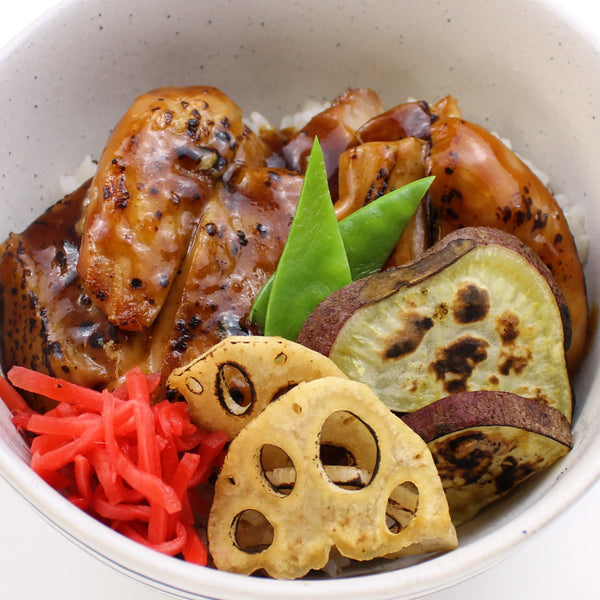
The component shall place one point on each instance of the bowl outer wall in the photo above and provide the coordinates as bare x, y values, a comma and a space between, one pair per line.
516, 67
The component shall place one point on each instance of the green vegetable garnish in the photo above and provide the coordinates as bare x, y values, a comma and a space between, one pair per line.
313, 263
369, 236
371, 233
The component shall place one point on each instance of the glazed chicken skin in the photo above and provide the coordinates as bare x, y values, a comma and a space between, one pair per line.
49, 323
162, 253
337, 129
154, 176
52, 325
217, 244
240, 237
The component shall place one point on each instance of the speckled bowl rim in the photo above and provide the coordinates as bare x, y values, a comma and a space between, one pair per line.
568, 480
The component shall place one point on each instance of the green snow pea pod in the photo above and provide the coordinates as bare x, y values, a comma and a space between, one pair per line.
369, 235
313, 263
258, 312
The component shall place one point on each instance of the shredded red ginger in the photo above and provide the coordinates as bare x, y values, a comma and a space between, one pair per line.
130, 464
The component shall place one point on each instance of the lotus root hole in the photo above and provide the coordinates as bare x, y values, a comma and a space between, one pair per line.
194, 386
281, 359
278, 469
402, 506
349, 452
252, 532
235, 389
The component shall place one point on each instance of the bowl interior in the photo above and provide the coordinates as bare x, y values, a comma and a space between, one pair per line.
517, 67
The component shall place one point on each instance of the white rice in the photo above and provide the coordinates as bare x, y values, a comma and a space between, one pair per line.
304, 115
258, 122
574, 213
86, 169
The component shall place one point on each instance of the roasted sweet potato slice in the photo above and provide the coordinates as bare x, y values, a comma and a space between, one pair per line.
485, 443
392, 503
478, 311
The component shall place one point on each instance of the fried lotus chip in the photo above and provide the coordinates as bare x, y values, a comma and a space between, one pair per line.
232, 382
281, 504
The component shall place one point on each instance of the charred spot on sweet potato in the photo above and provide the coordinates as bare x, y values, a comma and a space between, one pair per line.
455, 363
512, 361
507, 327
463, 457
470, 304
406, 340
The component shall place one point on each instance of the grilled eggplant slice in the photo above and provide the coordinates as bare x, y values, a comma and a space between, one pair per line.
478, 311
486, 443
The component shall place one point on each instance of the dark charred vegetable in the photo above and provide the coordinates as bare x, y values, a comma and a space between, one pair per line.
478, 311
486, 443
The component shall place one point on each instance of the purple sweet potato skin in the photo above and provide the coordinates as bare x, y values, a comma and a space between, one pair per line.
320, 330
488, 408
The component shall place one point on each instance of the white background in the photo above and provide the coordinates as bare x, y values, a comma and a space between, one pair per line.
36, 562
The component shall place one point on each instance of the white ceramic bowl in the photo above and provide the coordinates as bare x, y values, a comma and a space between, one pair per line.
517, 66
